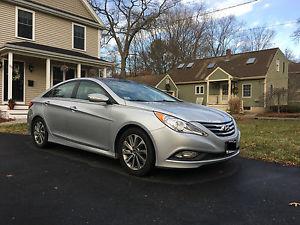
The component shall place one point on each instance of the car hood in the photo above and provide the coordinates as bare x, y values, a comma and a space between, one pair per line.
185, 111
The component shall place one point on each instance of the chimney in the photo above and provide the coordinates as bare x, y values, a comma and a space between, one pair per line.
228, 54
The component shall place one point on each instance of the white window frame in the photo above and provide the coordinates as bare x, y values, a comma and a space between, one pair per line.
16, 23
250, 91
79, 25
200, 92
278, 65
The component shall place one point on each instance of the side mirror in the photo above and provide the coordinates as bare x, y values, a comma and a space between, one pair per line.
98, 98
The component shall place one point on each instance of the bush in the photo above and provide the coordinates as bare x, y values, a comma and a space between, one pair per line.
234, 105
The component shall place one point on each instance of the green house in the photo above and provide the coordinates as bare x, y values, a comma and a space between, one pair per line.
249, 76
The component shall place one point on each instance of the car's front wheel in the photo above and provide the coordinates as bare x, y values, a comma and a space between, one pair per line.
136, 152
39, 133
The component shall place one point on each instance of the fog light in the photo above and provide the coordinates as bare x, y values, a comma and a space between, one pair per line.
186, 155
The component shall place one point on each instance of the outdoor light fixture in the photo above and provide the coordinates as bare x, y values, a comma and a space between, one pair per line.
30, 67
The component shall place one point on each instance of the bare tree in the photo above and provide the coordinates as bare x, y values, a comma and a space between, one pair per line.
222, 35
126, 18
276, 98
289, 54
256, 39
177, 36
296, 34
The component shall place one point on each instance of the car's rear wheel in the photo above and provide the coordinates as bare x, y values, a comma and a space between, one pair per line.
136, 152
39, 133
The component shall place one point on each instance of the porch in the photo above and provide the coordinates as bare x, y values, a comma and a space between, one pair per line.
29, 69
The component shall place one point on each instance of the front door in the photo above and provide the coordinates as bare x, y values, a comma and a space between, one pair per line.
17, 81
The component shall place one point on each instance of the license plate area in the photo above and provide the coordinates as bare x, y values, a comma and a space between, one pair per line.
230, 146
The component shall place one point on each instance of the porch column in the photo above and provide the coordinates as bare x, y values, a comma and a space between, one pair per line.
104, 73
229, 89
78, 70
10, 73
48, 73
207, 92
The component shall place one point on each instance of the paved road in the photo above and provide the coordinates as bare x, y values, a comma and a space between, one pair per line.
61, 186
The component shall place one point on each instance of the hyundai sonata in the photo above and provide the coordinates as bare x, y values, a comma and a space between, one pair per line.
141, 126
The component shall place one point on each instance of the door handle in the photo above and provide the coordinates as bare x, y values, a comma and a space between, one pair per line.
47, 102
73, 108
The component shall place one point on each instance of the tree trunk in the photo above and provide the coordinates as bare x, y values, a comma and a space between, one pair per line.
123, 67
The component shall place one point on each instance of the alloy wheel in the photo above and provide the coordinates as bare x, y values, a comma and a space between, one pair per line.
39, 132
134, 152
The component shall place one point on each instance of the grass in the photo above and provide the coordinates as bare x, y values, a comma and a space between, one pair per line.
14, 128
269, 140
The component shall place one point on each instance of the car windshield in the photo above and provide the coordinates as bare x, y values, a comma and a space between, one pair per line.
132, 91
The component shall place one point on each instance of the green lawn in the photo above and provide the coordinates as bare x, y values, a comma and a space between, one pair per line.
14, 128
270, 140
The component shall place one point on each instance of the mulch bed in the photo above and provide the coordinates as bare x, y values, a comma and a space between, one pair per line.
280, 115
2, 120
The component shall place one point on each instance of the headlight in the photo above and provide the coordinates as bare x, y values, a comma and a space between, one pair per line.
179, 125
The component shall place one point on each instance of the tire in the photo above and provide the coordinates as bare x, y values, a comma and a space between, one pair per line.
136, 152
39, 133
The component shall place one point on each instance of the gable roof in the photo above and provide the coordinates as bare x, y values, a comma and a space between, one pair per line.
236, 66
75, 10
149, 79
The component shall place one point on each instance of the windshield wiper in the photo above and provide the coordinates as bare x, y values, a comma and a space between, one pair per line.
164, 101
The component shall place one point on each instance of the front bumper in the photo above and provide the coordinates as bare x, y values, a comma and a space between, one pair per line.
168, 142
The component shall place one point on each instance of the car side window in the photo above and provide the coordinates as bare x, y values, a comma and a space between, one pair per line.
63, 91
88, 87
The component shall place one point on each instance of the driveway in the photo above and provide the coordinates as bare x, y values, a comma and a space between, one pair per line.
61, 186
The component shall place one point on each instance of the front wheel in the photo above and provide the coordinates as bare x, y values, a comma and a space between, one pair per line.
136, 152
39, 133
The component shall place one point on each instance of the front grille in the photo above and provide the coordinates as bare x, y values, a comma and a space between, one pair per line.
221, 129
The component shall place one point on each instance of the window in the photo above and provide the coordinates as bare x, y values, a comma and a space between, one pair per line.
247, 108
70, 74
247, 90
199, 90
190, 65
79, 37
250, 60
25, 23
277, 65
89, 87
283, 67
58, 75
211, 65
180, 66
63, 91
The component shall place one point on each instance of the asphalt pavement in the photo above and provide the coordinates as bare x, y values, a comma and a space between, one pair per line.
62, 186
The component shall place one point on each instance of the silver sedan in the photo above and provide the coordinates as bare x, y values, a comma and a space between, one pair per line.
141, 126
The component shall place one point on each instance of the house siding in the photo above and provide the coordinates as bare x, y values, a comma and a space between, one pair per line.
49, 30
162, 85
218, 75
278, 79
186, 92
257, 93
74, 6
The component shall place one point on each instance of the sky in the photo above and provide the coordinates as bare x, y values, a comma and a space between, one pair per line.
270, 13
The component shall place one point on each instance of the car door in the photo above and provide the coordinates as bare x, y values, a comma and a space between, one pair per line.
90, 123
57, 103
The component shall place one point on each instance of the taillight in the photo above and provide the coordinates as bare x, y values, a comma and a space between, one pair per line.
30, 104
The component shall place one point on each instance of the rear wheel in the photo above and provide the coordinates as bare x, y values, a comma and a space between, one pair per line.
39, 133
136, 152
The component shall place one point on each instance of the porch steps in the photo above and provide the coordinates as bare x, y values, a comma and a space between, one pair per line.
19, 112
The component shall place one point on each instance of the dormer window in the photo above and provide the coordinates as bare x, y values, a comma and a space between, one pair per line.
190, 65
211, 65
180, 66
251, 61
79, 37
25, 23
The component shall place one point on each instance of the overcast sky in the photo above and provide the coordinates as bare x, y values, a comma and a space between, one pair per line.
265, 13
